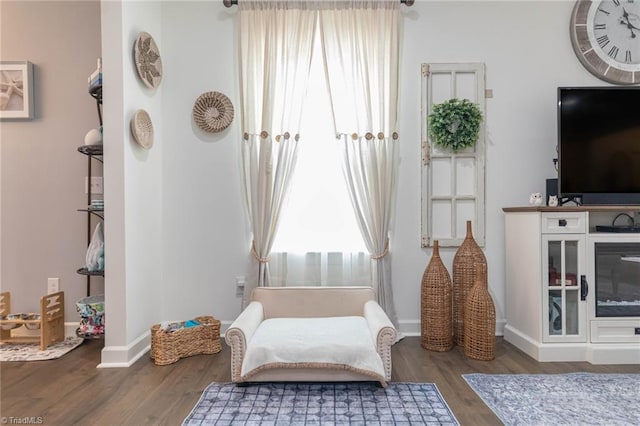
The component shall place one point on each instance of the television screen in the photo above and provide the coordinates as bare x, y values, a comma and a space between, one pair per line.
599, 144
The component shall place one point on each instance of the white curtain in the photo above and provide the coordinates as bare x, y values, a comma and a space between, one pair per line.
361, 42
320, 269
276, 41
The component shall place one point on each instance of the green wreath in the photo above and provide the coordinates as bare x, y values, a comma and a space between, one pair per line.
455, 123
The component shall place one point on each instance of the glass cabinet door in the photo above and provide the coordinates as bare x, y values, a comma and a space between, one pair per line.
564, 309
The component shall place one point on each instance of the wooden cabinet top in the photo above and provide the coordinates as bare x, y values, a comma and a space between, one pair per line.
587, 208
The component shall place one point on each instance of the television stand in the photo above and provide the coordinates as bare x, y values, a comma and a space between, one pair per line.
556, 307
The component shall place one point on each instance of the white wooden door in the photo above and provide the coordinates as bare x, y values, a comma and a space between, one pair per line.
452, 183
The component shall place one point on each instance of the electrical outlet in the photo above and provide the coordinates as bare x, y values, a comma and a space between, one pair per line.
240, 286
53, 285
96, 185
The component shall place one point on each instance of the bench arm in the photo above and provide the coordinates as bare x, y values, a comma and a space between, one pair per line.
239, 333
383, 333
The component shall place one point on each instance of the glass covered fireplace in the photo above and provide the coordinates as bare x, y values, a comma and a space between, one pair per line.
617, 279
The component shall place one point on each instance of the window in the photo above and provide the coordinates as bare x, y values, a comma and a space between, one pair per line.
318, 239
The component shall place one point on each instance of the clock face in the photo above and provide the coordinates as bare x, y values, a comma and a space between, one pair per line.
606, 38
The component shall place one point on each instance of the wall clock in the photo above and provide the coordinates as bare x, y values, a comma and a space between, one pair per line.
606, 37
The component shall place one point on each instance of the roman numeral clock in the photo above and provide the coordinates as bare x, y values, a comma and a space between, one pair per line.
606, 37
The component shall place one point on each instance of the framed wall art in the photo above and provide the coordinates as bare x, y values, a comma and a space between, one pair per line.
16, 89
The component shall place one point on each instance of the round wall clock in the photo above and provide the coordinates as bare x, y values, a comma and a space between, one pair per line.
606, 37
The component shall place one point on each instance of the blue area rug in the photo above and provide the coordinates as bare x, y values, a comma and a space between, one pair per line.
560, 399
321, 404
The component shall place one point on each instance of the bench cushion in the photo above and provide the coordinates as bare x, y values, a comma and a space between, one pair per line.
343, 343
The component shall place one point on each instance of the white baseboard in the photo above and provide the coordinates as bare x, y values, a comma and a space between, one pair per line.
125, 356
412, 327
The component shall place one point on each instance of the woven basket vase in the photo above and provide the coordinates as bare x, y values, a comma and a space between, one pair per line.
480, 320
435, 317
468, 255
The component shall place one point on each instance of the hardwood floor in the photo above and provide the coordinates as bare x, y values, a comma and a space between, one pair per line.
71, 390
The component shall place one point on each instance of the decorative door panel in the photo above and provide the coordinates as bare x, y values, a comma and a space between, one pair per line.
452, 183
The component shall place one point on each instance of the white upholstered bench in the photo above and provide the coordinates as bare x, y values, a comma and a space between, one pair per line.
307, 334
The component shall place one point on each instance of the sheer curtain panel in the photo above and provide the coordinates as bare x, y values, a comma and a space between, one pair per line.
361, 52
275, 42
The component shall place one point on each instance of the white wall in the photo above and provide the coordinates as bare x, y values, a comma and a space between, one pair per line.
527, 52
206, 237
42, 173
134, 286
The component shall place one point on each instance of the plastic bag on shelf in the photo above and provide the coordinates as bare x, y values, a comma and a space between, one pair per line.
95, 251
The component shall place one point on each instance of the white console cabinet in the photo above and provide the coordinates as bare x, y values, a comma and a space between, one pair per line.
552, 273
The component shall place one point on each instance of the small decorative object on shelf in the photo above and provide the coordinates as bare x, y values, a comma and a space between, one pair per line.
93, 137
455, 124
435, 318
94, 82
95, 251
467, 256
213, 112
480, 319
147, 59
535, 199
172, 341
95, 79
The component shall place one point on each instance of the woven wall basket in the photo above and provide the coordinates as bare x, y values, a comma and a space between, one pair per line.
436, 299
467, 256
213, 112
480, 320
142, 128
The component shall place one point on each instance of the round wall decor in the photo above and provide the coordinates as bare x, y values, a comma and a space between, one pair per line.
213, 112
142, 128
147, 58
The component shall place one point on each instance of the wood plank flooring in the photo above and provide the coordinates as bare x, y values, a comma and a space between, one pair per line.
71, 390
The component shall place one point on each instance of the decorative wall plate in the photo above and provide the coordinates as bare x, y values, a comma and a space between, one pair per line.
213, 112
142, 128
147, 58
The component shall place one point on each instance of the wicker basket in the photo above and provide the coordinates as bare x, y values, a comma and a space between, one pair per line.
435, 317
480, 320
467, 256
168, 347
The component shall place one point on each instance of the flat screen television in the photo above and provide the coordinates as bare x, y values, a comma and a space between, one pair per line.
599, 144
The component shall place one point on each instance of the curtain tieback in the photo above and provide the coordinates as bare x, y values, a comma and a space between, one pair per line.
384, 252
254, 252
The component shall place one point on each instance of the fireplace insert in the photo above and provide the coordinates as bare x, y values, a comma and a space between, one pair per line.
617, 279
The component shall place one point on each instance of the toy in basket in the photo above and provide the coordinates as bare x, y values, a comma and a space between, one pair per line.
169, 344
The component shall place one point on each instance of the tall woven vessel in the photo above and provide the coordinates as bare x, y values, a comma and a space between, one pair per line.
480, 320
468, 255
436, 300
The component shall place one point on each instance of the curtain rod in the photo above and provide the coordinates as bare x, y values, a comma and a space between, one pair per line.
229, 3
